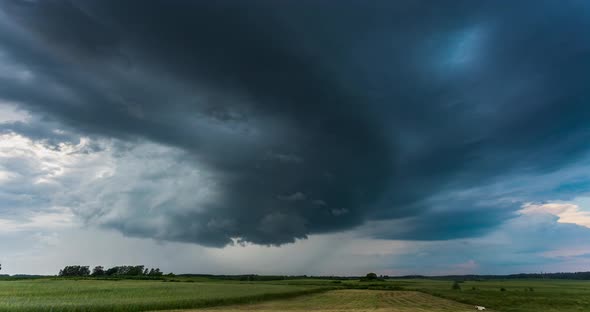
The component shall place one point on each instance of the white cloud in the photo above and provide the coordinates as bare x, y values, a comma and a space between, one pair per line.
35, 221
140, 188
10, 112
98, 180
80, 176
569, 251
566, 212
35, 169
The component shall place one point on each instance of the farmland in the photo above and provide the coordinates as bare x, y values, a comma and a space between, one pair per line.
128, 295
354, 300
204, 294
518, 295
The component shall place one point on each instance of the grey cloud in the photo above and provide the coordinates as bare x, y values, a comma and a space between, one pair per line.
293, 197
371, 107
287, 158
527, 243
319, 202
339, 212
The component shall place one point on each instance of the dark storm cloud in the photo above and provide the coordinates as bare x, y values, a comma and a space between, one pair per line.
315, 116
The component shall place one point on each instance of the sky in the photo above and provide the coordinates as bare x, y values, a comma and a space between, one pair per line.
295, 137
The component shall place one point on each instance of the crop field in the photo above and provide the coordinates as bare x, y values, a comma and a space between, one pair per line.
203, 294
129, 295
353, 300
518, 295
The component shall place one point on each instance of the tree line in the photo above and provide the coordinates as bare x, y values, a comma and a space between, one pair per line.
123, 270
559, 275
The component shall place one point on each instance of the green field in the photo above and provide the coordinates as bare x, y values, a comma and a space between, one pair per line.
128, 295
546, 295
422, 295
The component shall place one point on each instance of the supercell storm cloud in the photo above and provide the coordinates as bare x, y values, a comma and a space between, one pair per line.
266, 121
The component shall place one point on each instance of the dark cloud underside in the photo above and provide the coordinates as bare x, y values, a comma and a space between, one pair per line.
315, 117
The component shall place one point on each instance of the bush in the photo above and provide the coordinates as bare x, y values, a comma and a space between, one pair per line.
502, 289
456, 286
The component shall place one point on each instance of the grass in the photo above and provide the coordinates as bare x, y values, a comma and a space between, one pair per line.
423, 295
546, 295
354, 300
129, 295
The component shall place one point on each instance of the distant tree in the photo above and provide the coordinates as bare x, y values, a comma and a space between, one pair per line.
136, 270
84, 270
116, 270
502, 289
456, 286
154, 272
126, 270
75, 270
98, 271
371, 276
111, 271
123, 270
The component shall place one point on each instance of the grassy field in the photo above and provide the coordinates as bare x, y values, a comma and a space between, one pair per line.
519, 295
123, 296
546, 295
422, 295
353, 300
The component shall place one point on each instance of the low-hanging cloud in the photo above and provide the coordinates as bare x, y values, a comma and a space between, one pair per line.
277, 121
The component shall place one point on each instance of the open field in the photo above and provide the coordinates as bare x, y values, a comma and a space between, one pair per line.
546, 295
127, 295
198, 292
352, 300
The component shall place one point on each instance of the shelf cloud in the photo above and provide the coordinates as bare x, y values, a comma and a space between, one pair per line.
224, 122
